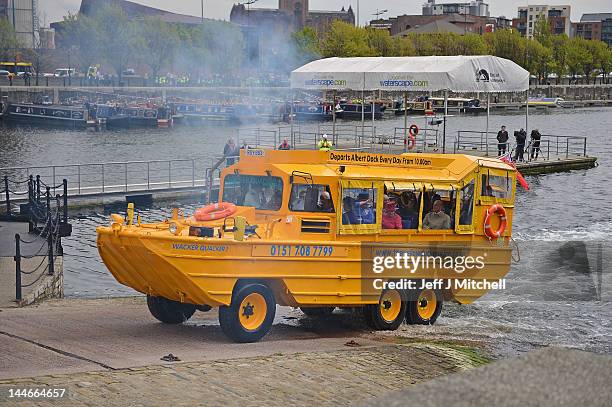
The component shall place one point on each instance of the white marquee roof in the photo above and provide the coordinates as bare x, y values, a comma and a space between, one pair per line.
454, 73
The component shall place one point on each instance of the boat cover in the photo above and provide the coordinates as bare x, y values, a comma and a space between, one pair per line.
478, 73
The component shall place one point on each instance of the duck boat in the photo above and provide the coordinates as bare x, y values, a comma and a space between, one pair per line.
310, 229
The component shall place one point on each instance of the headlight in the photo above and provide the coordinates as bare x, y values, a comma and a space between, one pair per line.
173, 228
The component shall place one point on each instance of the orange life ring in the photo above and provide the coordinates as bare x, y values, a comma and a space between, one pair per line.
413, 130
412, 141
501, 211
215, 211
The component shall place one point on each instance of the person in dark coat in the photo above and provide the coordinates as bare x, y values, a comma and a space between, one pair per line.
231, 152
502, 141
519, 152
535, 143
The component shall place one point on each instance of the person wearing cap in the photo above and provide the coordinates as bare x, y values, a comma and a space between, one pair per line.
325, 202
390, 218
325, 144
363, 206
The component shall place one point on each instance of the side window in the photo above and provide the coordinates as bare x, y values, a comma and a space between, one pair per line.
311, 198
496, 186
359, 206
466, 204
261, 192
439, 210
408, 206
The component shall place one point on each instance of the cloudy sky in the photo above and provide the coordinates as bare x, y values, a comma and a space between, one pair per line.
53, 10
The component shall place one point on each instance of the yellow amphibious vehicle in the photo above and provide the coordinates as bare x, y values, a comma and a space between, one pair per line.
392, 236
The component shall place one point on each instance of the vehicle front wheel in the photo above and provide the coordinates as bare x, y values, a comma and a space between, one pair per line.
169, 311
388, 314
250, 315
425, 308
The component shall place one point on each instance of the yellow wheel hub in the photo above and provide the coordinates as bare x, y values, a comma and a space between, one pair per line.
252, 312
390, 305
426, 304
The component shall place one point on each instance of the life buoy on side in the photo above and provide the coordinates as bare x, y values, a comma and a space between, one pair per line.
501, 211
215, 211
413, 130
412, 141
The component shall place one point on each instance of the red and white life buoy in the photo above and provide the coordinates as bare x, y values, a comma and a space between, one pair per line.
215, 211
501, 211
413, 130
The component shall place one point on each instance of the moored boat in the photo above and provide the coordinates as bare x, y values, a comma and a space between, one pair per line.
46, 115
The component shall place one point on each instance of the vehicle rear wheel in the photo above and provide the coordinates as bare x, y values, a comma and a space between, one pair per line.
250, 315
317, 312
169, 311
425, 309
388, 314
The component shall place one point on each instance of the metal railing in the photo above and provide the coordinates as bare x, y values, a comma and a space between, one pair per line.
115, 177
551, 146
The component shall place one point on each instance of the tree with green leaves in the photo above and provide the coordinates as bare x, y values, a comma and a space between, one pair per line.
539, 61
381, 43
117, 37
158, 41
305, 45
602, 58
346, 40
578, 57
81, 34
507, 44
560, 44
542, 32
8, 41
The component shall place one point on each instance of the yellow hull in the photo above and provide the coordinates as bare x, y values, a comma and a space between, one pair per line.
204, 271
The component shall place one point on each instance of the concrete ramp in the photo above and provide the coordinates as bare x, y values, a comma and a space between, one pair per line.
547, 377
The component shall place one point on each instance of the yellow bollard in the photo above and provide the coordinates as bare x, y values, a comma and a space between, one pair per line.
130, 214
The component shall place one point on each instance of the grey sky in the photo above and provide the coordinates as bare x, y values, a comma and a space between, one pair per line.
53, 10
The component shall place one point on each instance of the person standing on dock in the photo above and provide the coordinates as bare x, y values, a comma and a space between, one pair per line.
502, 141
284, 145
519, 152
535, 143
325, 144
230, 152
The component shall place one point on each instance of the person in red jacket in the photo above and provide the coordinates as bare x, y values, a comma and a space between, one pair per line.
390, 218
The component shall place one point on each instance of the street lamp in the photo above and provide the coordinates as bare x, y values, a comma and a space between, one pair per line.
380, 13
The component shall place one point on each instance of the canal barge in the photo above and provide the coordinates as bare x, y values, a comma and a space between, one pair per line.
46, 115
308, 229
461, 105
353, 111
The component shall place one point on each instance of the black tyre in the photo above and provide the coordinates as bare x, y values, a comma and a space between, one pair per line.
388, 314
424, 307
250, 315
317, 312
168, 311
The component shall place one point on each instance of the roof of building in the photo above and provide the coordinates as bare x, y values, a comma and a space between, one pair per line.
595, 17
135, 10
438, 26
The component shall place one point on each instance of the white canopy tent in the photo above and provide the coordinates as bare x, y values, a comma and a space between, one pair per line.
482, 73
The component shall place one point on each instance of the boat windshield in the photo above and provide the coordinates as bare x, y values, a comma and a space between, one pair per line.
261, 192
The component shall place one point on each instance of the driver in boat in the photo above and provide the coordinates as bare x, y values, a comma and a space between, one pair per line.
437, 219
325, 202
253, 196
325, 144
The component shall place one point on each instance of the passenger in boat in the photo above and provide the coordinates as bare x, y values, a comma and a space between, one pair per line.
365, 210
325, 144
519, 152
535, 143
437, 219
390, 218
284, 145
502, 140
230, 152
349, 216
325, 202
408, 210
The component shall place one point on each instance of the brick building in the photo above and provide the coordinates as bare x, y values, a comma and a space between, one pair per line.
594, 26
558, 18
